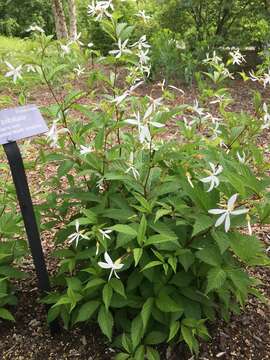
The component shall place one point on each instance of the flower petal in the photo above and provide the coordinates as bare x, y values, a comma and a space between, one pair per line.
232, 201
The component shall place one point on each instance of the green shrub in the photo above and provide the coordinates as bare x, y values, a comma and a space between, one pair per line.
155, 230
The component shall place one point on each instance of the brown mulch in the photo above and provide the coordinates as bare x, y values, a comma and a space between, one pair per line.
245, 337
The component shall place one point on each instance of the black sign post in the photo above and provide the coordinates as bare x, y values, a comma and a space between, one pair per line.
16, 124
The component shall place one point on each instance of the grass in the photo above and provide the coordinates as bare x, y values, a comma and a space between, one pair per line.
15, 45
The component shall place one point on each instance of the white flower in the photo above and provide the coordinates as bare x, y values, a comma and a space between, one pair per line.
241, 158
216, 131
197, 109
143, 57
105, 233
99, 9
109, 264
215, 59
90, 45
119, 99
79, 70
77, 235
253, 77
227, 74
212, 178
65, 49
143, 15
266, 117
141, 43
188, 125
237, 57
132, 168
30, 68
177, 89
14, 72
76, 39
53, 134
143, 126
226, 213
35, 28
266, 78
85, 150
122, 49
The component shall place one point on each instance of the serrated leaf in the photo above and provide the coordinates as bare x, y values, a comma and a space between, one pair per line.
202, 223
222, 239
105, 321
118, 286
215, 279
210, 255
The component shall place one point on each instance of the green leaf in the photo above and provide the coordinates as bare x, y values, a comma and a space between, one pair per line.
142, 230
174, 328
186, 258
189, 338
202, 223
152, 264
99, 139
124, 229
152, 354
105, 321
159, 239
6, 315
53, 313
247, 248
155, 337
146, 311
137, 253
64, 168
122, 356
136, 331
210, 255
215, 279
94, 282
139, 354
162, 212
87, 310
118, 287
222, 239
167, 304
107, 295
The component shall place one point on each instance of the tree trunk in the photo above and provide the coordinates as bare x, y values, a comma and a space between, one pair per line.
72, 19
60, 20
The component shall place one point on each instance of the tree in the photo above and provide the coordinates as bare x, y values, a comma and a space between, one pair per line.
61, 27
60, 19
72, 19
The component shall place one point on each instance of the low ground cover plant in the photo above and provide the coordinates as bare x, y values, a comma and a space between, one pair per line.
156, 229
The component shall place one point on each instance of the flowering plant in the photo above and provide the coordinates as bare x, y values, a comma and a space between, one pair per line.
141, 250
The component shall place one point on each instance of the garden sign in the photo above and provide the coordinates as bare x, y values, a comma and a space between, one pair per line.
16, 124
